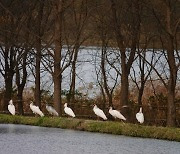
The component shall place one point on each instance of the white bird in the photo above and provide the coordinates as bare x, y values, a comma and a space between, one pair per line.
11, 107
116, 114
140, 116
99, 112
35, 109
68, 111
51, 110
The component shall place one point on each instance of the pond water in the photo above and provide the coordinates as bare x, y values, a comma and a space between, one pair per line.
21, 139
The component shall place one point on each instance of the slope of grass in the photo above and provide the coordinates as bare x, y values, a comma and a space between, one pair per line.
110, 127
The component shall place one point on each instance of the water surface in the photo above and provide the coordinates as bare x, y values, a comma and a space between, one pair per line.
21, 139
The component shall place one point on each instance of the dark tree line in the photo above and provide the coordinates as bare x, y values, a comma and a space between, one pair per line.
46, 35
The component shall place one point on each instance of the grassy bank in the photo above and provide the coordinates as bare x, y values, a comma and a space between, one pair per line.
110, 127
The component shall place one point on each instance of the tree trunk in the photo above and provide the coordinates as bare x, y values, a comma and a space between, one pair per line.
140, 94
104, 98
20, 102
57, 76
21, 84
124, 95
9, 73
38, 55
103, 69
125, 62
171, 110
110, 100
57, 91
73, 80
37, 78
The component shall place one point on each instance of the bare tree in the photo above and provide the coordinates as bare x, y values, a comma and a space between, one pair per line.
168, 22
144, 69
80, 17
21, 64
57, 76
7, 60
57, 59
39, 31
126, 37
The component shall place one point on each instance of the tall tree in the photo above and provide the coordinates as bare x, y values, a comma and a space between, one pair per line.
7, 60
168, 22
39, 32
80, 14
124, 42
57, 76
21, 63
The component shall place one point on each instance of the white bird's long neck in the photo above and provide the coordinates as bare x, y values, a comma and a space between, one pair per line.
10, 102
140, 110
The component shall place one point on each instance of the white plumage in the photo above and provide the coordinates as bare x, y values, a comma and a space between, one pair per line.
35, 109
68, 111
140, 116
116, 114
99, 112
11, 107
51, 110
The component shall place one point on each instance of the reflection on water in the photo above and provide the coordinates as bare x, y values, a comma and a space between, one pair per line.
6, 129
20, 139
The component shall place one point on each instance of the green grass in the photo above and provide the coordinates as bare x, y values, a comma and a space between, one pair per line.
110, 127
